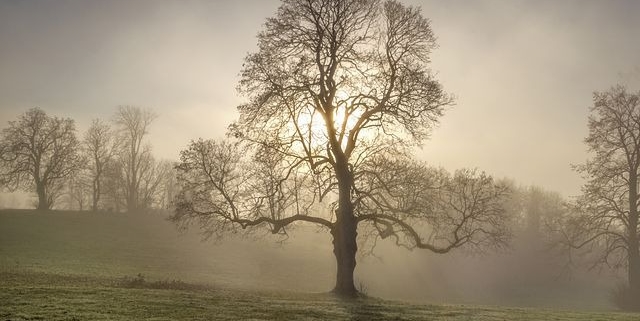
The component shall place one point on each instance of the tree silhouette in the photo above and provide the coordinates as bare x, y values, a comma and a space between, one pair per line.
100, 146
135, 159
38, 152
339, 93
607, 218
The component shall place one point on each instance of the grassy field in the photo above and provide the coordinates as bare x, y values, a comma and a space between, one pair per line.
115, 245
81, 266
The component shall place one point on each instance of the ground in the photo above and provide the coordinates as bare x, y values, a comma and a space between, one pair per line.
79, 266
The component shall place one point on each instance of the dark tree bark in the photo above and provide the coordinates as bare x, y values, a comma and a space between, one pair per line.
632, 234
345, 248
43, 202
345, 234
95, 194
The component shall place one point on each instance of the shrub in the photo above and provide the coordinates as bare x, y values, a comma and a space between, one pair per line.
133, 282
139, 282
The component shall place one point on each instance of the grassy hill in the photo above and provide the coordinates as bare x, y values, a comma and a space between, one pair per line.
117, 245
107, 266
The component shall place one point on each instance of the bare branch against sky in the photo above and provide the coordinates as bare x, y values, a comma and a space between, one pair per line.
522, 71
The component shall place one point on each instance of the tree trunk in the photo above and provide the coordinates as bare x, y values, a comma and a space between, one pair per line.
345, 248
634, 270
344, 238
94, 200
96, 194
132, 199
43, 202
634, 254
634, 267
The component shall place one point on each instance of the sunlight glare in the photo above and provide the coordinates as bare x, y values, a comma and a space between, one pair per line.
311, 125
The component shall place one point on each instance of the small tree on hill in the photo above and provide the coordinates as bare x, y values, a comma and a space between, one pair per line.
134, 156
100, 147
38, 153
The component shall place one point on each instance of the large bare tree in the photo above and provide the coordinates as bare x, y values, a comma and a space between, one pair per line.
132, 124
38, 153
339, 92
607, 218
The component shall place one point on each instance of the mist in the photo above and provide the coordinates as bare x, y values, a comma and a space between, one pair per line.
185, 184
120, 245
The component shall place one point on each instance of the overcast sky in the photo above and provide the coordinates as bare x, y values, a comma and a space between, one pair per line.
523, 72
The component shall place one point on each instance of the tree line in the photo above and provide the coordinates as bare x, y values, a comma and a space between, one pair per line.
108, 167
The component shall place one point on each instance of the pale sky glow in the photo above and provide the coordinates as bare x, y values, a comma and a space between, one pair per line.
523, 72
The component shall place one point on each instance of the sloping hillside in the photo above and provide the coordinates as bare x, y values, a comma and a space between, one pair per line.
117, 245
107, 266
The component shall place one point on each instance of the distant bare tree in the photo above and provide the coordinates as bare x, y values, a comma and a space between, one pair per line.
100, 146
132, 125
38, 153
169, 185
607, 218
539, 211
154, 182
536, 214
113, 198
78, 190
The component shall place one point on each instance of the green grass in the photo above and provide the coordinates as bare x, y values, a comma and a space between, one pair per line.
82, 266
42, 296
117, 245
